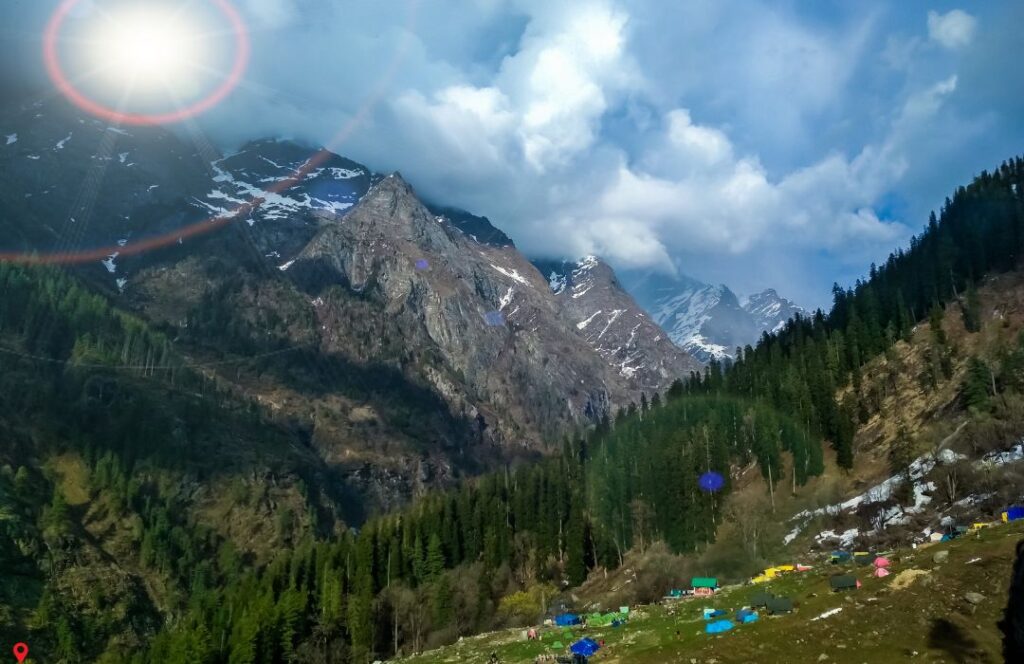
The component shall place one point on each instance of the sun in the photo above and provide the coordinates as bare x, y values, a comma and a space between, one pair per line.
146, 48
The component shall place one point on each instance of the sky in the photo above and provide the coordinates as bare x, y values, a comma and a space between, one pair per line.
758, 144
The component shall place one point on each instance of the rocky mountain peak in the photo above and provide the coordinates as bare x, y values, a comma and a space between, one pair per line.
611, 321
770, 310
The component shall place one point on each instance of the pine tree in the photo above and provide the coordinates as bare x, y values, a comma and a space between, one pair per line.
435, 558
976, 385
971, 310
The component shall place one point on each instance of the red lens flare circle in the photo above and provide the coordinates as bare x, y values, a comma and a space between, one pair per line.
51, 58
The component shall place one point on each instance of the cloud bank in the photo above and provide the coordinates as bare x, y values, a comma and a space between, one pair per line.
734, 141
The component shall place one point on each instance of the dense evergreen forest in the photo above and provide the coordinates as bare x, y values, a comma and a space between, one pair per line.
979, 231
495, 551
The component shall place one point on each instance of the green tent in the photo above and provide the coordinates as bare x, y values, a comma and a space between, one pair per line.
760, 598
843, 582
557, 645
778, 605
704, 582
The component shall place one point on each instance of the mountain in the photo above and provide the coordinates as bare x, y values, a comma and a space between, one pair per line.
770, 310
709, 322
614, 324
407, 343
479, 229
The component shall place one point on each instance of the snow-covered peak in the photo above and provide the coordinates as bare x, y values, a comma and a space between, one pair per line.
708, 321
770, 310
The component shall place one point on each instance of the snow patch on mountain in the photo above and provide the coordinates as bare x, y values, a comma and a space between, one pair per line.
583, 323
557, 282
109, 262
272, 205
511, 274
506, 299
885, 490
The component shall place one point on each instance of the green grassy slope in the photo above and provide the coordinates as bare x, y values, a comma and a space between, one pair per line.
919, 612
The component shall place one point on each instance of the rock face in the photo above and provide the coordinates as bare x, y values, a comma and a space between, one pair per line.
614, 324
484, 309
708, 321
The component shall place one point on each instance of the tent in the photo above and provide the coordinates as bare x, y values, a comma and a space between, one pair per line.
862, 558
839, 557
778, 605
746, 616
1013, 514
881, 562
557, 645
881, 572
760, 599
843, 582
567, 619
936, 537
599, 620
675, 593
718, 627
586, 647
713, 613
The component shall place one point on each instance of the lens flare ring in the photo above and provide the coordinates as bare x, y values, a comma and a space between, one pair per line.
214, 222
51, 59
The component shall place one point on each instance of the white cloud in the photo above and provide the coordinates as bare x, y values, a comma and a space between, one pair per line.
952, 30
741, 137
525, 147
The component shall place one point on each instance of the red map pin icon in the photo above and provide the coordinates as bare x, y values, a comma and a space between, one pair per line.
20, 652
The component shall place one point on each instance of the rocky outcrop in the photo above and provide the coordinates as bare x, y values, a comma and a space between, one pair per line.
502, 351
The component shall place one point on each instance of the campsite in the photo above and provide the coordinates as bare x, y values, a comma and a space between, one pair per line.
947, 611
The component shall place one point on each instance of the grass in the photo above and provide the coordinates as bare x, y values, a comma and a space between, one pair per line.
73, 477
927, 619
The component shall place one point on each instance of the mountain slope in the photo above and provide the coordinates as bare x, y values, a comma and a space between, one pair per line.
483, 308
612, 323
361, 318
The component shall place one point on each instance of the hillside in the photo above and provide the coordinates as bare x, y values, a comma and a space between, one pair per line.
924, 610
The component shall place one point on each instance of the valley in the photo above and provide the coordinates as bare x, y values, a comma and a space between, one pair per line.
342, 423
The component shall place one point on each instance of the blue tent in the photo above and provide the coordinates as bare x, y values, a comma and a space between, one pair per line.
746, 616
718, 627
567, 619
1015, 513
585, 647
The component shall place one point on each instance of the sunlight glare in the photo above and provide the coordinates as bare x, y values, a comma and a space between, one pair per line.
146, 48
